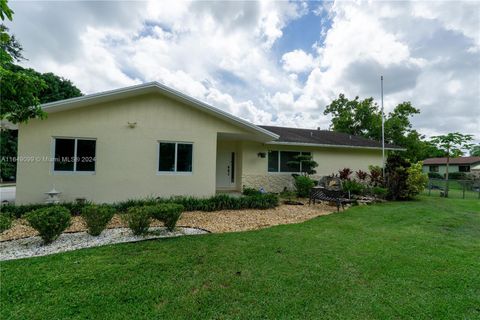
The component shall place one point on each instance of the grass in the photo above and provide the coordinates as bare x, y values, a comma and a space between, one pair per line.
418, 259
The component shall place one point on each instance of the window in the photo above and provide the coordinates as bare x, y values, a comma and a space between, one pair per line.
433, 168
74, 155
175, 157
273, 162
280, 161
463, 168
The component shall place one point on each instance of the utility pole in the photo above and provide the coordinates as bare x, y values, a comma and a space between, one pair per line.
383, 132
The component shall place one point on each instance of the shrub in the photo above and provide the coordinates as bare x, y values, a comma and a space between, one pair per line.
5, 222
361, 175
303, 186
250, 192
380, 192
217, 202
168, 213
97, 217
264, 201
458, 176
375, 175
18, 212
345, 173
353, 187
138, 219
123, 206
396, 171
416, 180
435, 175
76, 208
50, 222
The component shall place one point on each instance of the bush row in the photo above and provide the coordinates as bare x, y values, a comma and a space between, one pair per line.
215, 203
51, 221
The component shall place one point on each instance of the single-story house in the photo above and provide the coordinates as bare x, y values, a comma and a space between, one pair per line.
460, 164
151, 140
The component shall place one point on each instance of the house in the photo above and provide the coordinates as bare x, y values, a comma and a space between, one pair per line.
460, 164
151, 140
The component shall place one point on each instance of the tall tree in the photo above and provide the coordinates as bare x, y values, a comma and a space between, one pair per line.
475, 151
364, 118
452, 145
22, 90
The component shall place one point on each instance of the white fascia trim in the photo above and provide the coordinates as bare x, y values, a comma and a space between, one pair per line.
156, 85
330, 146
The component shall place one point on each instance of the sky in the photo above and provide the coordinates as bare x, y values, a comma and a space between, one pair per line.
277, 63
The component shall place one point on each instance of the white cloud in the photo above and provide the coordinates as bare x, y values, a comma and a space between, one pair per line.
225, 53
297, 61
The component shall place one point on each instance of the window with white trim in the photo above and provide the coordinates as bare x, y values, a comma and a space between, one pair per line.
74, 155
281, 161
175, 157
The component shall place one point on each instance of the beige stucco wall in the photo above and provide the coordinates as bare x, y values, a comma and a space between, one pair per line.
127, 159
330, 160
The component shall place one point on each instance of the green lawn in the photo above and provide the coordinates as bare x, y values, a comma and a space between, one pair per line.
405, 260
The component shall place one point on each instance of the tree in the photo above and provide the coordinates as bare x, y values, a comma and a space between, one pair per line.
22, 91
475, 151
452, 145
364, 118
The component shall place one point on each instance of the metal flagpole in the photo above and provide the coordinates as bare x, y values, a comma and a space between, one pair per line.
383, 132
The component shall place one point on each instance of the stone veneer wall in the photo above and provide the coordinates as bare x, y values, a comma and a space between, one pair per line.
270, 182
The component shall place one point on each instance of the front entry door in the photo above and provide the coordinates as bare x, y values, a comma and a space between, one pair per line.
225, 169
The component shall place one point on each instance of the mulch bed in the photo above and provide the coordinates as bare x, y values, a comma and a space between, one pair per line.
217, 221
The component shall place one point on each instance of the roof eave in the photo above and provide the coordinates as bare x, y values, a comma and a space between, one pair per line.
305, 144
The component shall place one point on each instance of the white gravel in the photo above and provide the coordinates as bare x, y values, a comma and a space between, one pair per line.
33, 246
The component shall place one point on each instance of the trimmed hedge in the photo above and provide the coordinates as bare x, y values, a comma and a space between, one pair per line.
168, 213
215, 203
5, 222
435, 175
17, 212
49, 222
97, 217
138, 219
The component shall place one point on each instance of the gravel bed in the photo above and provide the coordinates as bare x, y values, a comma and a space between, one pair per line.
33, 246
22, 241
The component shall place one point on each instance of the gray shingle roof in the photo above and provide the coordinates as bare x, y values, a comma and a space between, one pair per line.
324, 137
459, 160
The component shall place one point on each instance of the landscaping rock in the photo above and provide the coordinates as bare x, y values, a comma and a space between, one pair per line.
34, 247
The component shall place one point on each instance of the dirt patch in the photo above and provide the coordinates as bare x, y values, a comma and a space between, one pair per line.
217, 221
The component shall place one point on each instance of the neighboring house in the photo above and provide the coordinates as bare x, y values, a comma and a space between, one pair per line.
150, 140
460, 164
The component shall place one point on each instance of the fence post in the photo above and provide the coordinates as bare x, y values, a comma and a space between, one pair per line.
464, 184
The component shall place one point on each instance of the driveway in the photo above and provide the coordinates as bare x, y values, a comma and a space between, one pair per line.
7, 194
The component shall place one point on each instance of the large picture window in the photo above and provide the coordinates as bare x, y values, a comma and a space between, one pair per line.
464, 168
281, 161
175, 157
74, 155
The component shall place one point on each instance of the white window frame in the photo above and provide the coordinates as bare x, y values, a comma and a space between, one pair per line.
279, 159
74, 172
180, 173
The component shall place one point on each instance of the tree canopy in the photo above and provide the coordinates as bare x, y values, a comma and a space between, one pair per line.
364, 118
22, 90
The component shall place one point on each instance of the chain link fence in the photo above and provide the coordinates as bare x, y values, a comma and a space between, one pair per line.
459, 189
